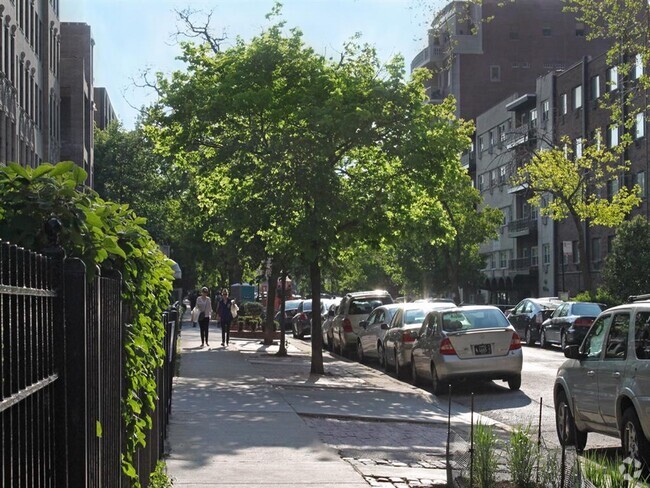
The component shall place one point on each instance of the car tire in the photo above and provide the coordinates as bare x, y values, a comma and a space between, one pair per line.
341, 348
567, 432
514, 382
634, 442
380, 356
542, 339
386, 363
528, 337
414, 374
360, 356
293, 332
436, 385
563, 340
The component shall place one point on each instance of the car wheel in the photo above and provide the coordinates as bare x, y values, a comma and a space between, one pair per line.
542, 339
360, 355
514, 382
635, 444
567, 432
436, 385
386, 363
293, 332
414, 374
301, 334
341, 348
528, 337
380, 356
562, 340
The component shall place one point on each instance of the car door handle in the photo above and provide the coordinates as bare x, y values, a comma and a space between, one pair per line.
616, 374
591, 373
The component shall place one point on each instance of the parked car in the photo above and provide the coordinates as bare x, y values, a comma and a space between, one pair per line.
290, 307
402, 332
473, 341
373, 330
570, 320
354, 308
301, 320
604, 386
326, 325
528, 315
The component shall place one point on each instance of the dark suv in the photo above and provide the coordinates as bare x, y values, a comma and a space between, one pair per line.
604, 387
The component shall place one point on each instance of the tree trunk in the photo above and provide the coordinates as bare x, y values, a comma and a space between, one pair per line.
585, 269
283, 286
316, 330
270, 304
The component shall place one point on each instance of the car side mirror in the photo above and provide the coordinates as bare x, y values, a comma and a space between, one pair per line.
573, 352
363, 324
384, 326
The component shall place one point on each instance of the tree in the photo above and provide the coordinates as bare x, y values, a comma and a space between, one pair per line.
627, 267
307, 155
563, 185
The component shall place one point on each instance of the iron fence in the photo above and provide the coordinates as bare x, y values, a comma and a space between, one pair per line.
62, 370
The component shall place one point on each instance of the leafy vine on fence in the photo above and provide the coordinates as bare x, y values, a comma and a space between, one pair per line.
107, 234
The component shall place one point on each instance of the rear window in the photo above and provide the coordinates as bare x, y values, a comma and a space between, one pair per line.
473, 319
366, 305
414, 316
591, 309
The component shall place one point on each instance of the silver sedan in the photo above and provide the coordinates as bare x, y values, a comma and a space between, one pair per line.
471, 341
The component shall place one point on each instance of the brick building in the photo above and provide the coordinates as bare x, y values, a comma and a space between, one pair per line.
104, 113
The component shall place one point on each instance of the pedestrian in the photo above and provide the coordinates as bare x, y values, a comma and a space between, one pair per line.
224, 310
205, 310
193, 297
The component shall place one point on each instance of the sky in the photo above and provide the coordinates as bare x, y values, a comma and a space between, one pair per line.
134, 36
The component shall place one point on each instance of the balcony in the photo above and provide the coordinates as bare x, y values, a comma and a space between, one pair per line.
524, 265
522, 227
428, 56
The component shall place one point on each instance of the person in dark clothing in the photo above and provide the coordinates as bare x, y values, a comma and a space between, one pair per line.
225, 316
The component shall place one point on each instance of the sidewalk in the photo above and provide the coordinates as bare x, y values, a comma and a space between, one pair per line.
242, 417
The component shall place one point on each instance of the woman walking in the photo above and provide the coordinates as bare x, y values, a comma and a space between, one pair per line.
205, 308
224, 310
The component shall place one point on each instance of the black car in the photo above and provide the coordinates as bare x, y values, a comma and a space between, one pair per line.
528, 315
569, 323
301, 321
290, 307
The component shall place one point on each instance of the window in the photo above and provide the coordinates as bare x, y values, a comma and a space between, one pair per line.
534, 260
495, 73
576, 95
493, 260
564, 104
639, 126
546, 32
638, 66
580, 29
595, 250
595, 87
642, 335
616, 346
592, 345
533, 118
612, 136
612, 188
503, 259
546, 108
546, 253
501, 131
640, 180
491, 138
480, 144
506, 215
502, 175
612, 78
578, 148
575, 251
493, 178
481, 182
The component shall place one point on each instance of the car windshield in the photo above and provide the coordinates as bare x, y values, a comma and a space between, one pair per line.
473, 319
591, 309
414, 316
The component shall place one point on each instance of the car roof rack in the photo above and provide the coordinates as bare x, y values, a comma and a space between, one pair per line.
638, 298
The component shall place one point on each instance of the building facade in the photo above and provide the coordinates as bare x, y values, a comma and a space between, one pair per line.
77, 104
104, 113
30, 40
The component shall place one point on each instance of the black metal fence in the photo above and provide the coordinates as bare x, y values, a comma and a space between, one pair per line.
62, 372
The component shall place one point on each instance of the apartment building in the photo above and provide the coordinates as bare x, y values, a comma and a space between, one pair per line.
30, 39
104, 113
77, 93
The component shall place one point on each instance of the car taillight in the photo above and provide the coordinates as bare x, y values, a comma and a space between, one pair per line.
446, 349
407, 336
515, 343
539, 318
347, 325
583, 322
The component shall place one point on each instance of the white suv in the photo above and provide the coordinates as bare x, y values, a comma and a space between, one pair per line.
354, 308
605, 385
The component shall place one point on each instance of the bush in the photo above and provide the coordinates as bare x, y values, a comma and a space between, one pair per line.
600, 296
251, 309
522, 456
485, 456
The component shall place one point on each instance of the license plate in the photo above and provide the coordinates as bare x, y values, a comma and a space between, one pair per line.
482, 349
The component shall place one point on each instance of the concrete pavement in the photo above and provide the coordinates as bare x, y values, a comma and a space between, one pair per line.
243, 417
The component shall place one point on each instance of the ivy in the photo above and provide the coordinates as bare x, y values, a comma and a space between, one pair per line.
102, 233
